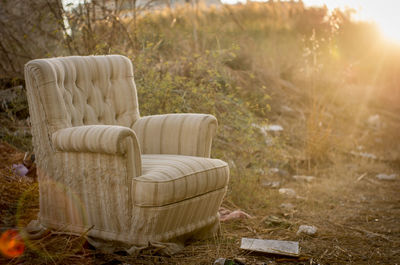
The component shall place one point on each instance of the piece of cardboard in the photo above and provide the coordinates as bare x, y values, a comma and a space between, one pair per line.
287, 248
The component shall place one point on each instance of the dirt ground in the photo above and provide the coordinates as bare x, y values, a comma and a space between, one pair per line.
357, 216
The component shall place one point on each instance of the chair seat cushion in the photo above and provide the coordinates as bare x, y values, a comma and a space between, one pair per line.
168, 179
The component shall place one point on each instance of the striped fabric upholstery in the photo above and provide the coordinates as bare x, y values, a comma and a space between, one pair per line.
103, 170
180, 134
172, 178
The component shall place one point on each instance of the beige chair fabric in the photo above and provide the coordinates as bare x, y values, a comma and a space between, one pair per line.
126, 181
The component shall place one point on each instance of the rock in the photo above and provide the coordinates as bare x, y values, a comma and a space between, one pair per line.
383, 176
287, 192
271, 184
304, 178
307, 230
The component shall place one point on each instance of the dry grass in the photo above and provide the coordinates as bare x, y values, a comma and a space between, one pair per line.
357, 217
240, 57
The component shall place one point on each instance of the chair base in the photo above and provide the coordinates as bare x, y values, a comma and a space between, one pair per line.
167, 227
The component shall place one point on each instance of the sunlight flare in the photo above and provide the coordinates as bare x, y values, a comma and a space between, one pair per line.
383, 13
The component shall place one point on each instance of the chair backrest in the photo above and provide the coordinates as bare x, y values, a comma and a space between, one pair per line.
83, 90
74, 91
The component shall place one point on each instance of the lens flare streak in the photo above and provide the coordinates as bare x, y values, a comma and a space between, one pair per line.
11, 244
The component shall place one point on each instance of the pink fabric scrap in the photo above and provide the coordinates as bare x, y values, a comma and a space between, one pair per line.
226, 215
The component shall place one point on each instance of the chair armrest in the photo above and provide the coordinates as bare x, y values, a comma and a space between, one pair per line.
106, 139
181, 134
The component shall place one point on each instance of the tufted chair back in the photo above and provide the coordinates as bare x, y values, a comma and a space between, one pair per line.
76, 90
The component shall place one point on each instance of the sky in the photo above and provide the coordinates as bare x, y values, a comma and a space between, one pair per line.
385, 13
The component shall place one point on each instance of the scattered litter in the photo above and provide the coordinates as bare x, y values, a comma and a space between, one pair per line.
275, 221
271, 184
226, 214
288, 248
364, 155
279, 172
273, 170
361, 177
307, 229
274, 128
268, 128
287, 192
19, 170
260, 171
231, 163
304, 178
374, 121
383, 176
261, 128
286, 109
223, 261
287, 206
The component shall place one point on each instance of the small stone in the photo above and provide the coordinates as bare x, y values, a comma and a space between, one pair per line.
383, 176
304, 178
287, 192
307, 230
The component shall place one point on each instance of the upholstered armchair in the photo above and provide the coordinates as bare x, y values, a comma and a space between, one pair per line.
122, 179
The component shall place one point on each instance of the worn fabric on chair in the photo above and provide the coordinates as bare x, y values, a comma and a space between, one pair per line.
125, 181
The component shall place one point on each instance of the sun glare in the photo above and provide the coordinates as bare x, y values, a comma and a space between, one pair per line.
383, 13
389, 23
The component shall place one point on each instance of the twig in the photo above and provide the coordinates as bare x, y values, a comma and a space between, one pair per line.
373, 233
361, 177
